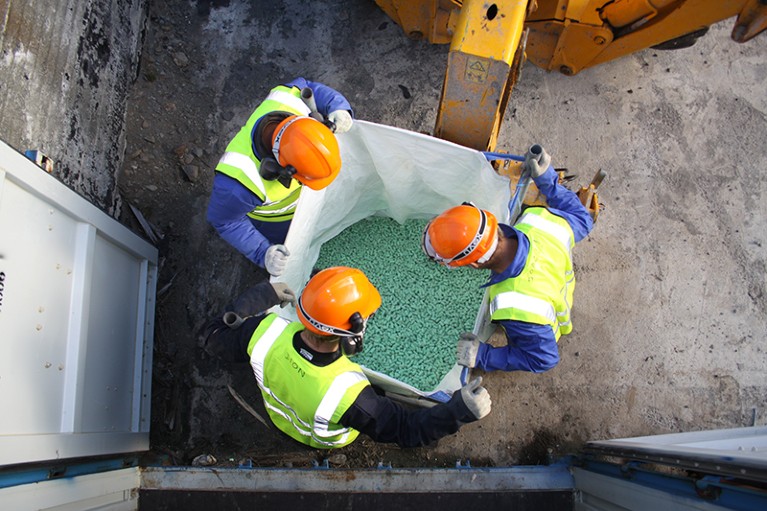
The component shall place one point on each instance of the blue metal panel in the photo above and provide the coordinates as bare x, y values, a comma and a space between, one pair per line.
25, 475
650, 485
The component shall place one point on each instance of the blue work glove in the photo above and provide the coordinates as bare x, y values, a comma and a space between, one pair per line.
537, 160
276, 259
467, 350
476, 398
342, 119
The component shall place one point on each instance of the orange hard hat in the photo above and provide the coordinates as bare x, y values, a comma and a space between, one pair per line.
310, 147
332, 297
461, 235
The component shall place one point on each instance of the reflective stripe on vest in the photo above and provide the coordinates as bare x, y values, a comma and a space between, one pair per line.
280, 211
257, 358
319, 432
559, 232
330, 402
513, 299
288, 99
263, 346
247, 166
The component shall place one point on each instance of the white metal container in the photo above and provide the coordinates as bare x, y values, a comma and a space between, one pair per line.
77, 300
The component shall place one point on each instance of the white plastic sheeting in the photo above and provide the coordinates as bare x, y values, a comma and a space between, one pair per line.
398, 174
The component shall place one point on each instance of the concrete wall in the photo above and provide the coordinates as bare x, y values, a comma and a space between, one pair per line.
65, 72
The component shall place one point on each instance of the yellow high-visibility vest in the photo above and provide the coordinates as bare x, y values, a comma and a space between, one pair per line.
240, 163
303, 400
543, 292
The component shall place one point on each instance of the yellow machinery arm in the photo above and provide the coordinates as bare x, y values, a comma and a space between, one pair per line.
489, 41
587, 33
481, 72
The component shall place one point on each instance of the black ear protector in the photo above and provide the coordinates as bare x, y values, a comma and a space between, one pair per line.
353, 345
271, 170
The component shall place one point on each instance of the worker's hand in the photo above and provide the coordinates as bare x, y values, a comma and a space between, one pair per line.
342, 119
476, 398
285, 295
468, 347
537, 160
276, 259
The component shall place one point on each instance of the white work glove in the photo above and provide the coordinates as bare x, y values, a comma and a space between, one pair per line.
537, 160
275, 259
285, 295
468, 347
476, 398
342, 119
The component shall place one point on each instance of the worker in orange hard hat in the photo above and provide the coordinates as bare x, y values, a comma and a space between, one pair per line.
288, 142
531, 279
312, 390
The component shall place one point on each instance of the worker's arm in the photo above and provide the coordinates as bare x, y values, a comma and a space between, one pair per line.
230, 341
230, 202
530, 348
564, 203
327, 99
384, 420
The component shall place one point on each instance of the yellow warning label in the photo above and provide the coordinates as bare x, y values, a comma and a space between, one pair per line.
476, 69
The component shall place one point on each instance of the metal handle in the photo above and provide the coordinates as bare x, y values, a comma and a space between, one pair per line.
535, 152
307, 95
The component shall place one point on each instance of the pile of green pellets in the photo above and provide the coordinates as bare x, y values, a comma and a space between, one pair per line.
425, 306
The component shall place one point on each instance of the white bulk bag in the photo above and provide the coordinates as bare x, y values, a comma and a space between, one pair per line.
402, 175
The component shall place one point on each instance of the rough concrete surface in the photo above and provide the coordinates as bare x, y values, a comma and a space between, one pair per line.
670, 309
65, 71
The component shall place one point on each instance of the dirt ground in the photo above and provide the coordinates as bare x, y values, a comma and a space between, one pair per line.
670, 309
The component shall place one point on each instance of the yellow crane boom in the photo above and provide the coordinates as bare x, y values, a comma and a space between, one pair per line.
489, 41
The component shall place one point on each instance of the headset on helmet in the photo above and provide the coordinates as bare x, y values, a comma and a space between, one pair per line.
460, 236
304, 149
271, 170
339, 301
